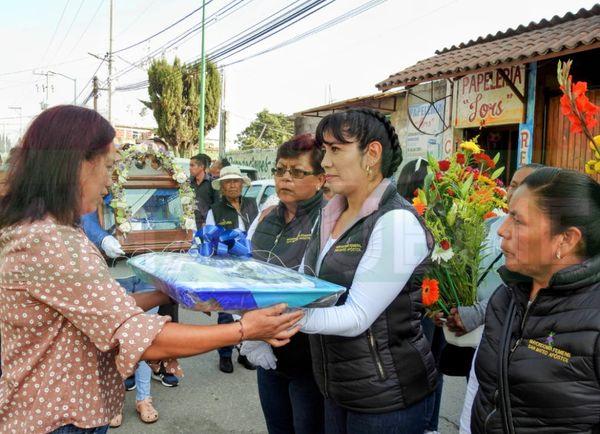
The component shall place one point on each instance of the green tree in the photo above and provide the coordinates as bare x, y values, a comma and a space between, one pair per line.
268, 130
174, 92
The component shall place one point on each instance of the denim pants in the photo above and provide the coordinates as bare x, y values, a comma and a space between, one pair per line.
410, 420
225, 318
143, 373
72, 429
291, 404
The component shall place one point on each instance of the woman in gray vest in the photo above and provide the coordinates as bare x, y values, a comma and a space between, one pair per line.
289, 396
536, 368
371, 359
233, 211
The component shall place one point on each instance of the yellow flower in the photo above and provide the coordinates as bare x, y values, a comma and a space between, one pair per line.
595, 146
589, 167
486, 180
596, 166
470, 146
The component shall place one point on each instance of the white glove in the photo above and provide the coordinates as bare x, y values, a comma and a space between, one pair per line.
259, 353
111, 247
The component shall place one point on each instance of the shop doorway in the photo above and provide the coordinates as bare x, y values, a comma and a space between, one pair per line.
500, 139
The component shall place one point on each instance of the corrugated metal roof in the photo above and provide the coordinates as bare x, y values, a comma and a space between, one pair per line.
521, 45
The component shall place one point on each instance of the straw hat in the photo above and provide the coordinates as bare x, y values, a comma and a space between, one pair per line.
230, 172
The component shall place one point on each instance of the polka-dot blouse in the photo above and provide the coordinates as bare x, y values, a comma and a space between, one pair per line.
70, 333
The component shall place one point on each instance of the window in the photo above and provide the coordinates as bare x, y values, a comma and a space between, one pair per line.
269, 191
252, 191
154, 209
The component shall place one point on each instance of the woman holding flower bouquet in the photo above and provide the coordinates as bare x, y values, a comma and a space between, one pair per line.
70, 333
537, 364
371, 359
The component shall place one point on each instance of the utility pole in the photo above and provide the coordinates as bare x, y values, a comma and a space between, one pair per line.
110, 49
95, 92
202, 86
46, 74
223, 119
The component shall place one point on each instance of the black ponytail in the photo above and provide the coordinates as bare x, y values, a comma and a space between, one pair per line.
365, 126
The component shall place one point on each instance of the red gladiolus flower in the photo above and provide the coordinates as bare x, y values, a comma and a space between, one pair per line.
445, 244
460, 158
450, 192
439, 176
586, 108
485, 160
444, 165
430, 291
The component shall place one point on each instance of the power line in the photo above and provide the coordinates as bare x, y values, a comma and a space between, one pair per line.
90, 80
161, 31
263, 29
267, 33
55, 30
228, 9
70, 27
89, 25
21, 71
348, 15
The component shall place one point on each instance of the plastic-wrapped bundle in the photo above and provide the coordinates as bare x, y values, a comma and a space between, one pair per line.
220, 283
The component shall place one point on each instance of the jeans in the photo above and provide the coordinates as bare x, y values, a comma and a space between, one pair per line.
225, 318
410, 420
435, 336
291, 405
72, 429
143, 373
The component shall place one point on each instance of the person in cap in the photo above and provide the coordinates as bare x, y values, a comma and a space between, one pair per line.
232, 212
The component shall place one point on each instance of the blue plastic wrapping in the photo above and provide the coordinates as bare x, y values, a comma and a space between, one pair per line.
221, 283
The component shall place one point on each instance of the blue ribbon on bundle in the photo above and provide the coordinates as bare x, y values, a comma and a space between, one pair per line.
218, 241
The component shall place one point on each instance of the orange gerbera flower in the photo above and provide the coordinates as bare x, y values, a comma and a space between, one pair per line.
419, 205
430, 291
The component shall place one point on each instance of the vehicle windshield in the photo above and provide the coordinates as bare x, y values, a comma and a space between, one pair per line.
252, 191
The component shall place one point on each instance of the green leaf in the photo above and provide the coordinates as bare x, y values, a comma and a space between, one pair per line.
422, 196
451, 217
466, 186
497, 158
428, 180
497, 173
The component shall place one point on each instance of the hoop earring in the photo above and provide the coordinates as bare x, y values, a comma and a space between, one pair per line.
557, 254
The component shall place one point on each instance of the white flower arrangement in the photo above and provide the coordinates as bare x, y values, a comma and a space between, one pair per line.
162, 160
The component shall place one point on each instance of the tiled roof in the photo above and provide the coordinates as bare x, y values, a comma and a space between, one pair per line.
521, 45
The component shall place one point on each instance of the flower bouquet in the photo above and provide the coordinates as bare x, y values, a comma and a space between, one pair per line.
218, 274
580, 111
458, 196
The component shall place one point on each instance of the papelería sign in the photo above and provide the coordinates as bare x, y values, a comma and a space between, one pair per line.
486, 98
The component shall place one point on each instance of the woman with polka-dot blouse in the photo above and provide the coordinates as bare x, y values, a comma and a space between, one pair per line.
70, 333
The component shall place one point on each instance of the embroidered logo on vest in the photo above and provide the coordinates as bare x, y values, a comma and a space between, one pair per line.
548, 349
299, 237
225, 222
348, 248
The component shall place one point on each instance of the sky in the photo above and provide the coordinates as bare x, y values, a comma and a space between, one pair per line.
341, 62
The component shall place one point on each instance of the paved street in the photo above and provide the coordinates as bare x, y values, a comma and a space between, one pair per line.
208, 401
